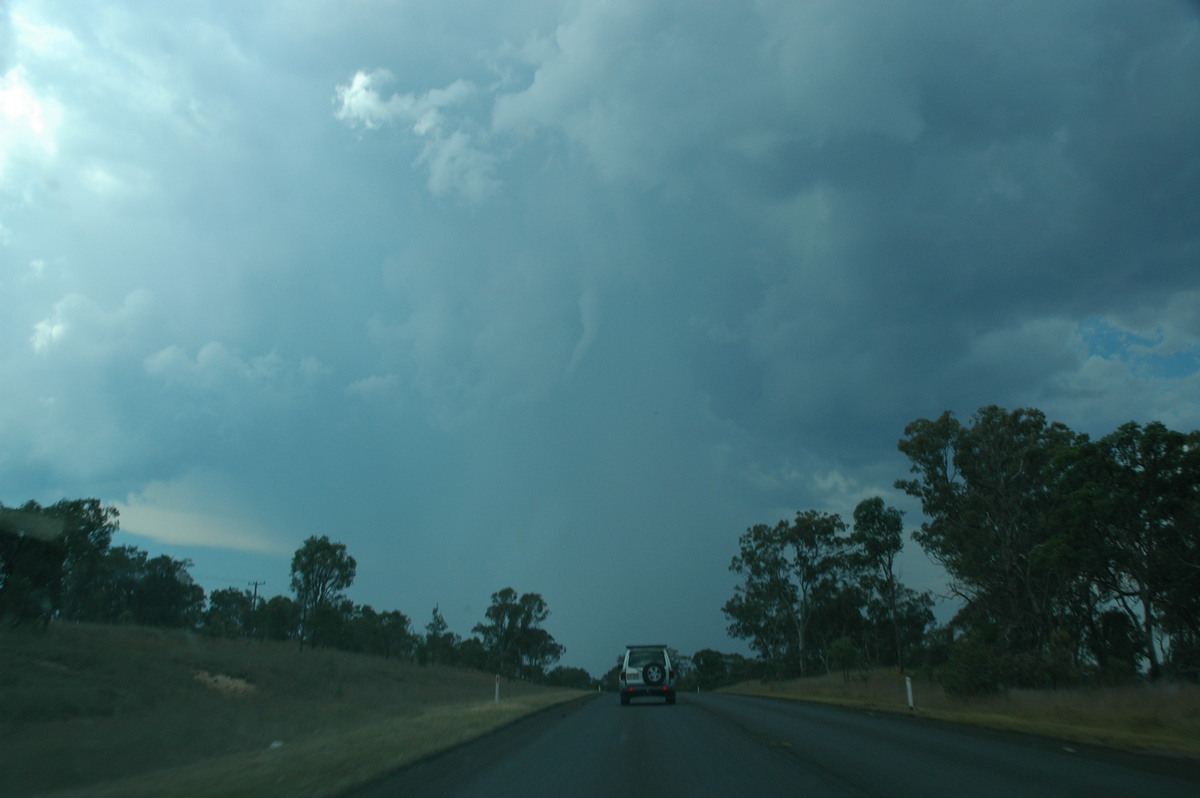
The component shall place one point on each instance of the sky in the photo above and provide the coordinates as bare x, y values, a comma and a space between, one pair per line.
564, 296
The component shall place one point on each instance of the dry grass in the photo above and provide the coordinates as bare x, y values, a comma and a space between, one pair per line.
1137, 717
93, 710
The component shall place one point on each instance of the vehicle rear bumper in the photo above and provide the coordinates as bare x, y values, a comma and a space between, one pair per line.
634, 691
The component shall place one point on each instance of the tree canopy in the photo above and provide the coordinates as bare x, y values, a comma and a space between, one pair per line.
321, 569
1071, 556
513, 637
806, 585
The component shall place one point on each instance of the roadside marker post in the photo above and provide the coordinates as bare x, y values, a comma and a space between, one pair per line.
908, 687
498, 688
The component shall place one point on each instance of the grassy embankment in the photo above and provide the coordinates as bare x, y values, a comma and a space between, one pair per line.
1162, 718
123, 711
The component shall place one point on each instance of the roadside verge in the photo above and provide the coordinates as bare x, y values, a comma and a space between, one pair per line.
329, 765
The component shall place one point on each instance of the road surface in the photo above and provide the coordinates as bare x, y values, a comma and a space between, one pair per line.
719, 745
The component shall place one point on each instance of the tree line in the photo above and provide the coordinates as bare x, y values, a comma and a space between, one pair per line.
817, 595
58, 562
1075, 560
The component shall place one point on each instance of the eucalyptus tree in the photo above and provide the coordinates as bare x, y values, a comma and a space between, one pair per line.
439, 645
279, 619
819, 567
230, 612
31, 564
321, 569
87, 532
512, 634
1147, 542
988, 491
165, 593
878, 538
793, 577
763, 607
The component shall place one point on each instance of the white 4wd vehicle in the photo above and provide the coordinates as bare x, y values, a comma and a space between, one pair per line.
646, 671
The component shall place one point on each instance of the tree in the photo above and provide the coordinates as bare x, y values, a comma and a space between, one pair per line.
709, 669
280, 619
513, 636
763, 607
395, 636
878, 537
574, 678
165, 594
31, 565
712, 669
791, 577
116, 577
87, 531
989, 491
470, 653
321, 569
1146, 540
609, 680
844, 656
229, 612
817, 557
537, 651
440, 645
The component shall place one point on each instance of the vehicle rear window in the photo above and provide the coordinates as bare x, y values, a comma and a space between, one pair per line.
638, 658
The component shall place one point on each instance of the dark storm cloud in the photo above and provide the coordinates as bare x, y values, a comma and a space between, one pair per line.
511, 294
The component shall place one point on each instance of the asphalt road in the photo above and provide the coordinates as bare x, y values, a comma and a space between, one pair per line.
717, 745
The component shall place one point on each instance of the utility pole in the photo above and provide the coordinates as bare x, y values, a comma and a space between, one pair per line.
254, 609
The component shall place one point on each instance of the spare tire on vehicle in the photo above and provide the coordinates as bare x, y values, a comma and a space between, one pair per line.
653, 674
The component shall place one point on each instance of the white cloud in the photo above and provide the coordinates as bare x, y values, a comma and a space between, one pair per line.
455, 164
217, 368
112, 181
87, 327
181, 512
361, 103
29, 123
457, 167
375, 387
46, 333
609, 78
39, 39
1172, 327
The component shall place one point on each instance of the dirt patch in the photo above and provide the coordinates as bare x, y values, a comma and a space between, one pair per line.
226, 685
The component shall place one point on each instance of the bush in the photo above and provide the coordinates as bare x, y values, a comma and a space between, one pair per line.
971, 671
1183, 660
843, 656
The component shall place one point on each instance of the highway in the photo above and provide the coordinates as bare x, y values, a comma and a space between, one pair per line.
718, 745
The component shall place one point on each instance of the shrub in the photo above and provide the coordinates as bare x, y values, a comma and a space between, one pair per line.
971, 670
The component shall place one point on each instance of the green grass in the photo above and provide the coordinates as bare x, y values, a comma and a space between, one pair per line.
100, 710
1145, 717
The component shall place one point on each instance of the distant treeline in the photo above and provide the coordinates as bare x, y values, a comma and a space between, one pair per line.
1076, 561
58, 562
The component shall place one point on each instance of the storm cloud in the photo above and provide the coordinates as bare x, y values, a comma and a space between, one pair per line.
564, 296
